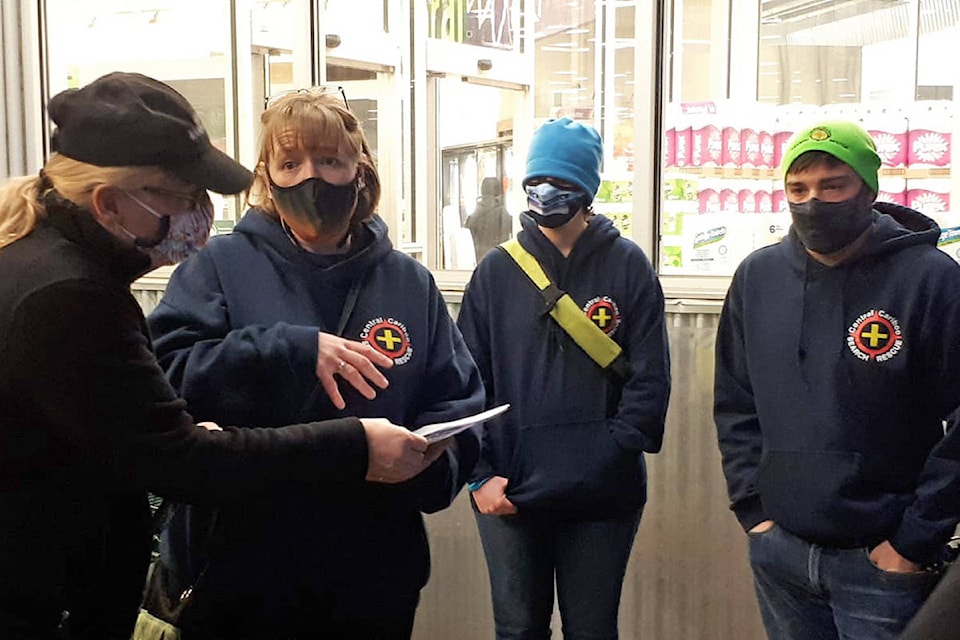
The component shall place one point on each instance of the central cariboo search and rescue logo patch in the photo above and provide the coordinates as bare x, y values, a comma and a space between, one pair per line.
875, 336
390, 337
604, 313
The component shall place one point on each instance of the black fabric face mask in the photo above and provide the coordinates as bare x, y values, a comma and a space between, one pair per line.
827, 227
325, 207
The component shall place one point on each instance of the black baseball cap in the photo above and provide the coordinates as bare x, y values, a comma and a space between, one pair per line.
128, 119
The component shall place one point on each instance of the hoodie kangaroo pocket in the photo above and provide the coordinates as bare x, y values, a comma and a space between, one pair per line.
822, 495
575, 468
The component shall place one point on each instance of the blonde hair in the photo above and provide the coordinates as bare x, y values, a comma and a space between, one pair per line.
20, 198
319, 121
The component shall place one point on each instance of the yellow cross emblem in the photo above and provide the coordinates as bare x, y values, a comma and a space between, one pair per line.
601, 317
388, 340
875, 335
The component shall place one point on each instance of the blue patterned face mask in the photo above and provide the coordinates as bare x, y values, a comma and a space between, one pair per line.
551, 206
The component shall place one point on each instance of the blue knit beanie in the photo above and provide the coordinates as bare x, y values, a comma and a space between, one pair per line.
566, 150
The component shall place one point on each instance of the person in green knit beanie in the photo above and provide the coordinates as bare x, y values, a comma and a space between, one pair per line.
836, 359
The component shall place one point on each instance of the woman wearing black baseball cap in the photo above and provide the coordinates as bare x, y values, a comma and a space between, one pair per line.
88, 421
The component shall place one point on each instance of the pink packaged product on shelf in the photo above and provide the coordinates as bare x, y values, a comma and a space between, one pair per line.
889, 133
929, 148
780, 139
682, 146
731, 146
750, 148
780, 201
766, 150
929, 196
764, 198
893, 190
747, 198
730, 197
706, 145
670, 146
929, 143
709, 197
893, 197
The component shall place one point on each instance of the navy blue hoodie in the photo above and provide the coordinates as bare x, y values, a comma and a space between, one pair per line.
573, 439
831, 387
237, 334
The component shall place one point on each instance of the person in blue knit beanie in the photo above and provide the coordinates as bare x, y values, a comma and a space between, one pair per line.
561, 481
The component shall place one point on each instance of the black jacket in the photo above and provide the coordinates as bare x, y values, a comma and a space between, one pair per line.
88, 423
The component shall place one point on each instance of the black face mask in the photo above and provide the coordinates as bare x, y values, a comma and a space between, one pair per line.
828, 227
325, 207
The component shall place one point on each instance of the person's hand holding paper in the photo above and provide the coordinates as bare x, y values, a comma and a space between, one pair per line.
440, 431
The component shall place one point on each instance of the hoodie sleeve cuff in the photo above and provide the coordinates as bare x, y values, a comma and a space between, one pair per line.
307, 343
914, 544
750, 513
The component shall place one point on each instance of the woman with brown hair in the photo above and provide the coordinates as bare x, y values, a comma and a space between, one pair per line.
289, 318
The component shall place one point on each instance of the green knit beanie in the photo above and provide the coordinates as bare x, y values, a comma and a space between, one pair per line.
845, 141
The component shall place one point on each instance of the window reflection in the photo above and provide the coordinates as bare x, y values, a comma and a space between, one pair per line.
485, 23
475, 133
565, 49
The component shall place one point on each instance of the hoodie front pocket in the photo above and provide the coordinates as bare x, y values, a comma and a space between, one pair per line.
822, 495
575, 467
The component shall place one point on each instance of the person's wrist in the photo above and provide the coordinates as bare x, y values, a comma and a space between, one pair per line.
473, 486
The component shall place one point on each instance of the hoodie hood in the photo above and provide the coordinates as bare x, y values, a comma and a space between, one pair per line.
895, 228
370, 244
490, 187
598, 236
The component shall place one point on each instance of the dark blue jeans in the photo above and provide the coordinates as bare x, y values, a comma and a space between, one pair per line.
588, 558
810, 592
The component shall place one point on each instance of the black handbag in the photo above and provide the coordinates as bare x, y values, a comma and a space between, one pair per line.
163, 606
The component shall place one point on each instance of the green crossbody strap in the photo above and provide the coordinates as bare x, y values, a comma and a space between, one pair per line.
598, 345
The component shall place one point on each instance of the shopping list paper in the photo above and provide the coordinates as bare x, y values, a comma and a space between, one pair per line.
442, 430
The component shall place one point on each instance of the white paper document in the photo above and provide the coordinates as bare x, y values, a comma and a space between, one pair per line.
442, 430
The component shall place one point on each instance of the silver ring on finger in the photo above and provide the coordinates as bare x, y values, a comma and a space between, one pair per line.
341, 366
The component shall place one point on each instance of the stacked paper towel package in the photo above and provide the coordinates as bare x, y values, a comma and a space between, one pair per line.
728, 156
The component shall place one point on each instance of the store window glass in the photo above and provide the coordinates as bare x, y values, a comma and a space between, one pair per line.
615, 196
565, 57
576, 78
485, 23
874, 62
479, 198
355, 16
181, 42
275, 50
371, 95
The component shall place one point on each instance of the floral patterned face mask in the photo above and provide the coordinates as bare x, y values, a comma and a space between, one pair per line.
180, 236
